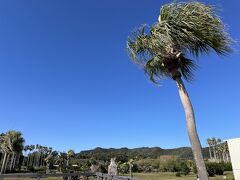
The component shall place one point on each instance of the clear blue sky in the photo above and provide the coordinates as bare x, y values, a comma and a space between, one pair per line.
66, 81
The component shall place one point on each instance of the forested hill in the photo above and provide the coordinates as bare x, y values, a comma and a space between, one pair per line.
138, 153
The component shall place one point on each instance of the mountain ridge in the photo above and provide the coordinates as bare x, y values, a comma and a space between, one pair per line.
100, 153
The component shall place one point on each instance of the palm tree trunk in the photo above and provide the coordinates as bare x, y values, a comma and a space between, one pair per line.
228, 157
16, 161
12, 159
210, 152
7, 163
40, 160
4, 163
214, 152
217, 155
1, 159
223, 157
192, 131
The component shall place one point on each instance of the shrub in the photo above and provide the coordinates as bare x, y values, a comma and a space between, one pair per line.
210, 169
123, 168
102, 168
178, 174
182, 168
219, 169
135, 168
227, 166
215, 168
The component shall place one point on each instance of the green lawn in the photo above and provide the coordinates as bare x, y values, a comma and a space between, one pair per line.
50, 178
171, 176
154, 176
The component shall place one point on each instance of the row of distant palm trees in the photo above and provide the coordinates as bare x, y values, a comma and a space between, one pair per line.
36, 155
218, 150
12, 157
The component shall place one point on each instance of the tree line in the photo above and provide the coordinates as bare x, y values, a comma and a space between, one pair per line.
15, 156
218, 150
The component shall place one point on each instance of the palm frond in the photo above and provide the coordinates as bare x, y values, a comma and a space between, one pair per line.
187, 67
195, 28
156, 70
183, 28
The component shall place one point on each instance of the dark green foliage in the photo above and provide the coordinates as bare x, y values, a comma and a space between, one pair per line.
219, 169
178, 174
211, 169
102, 168
187, 28
214, 168
121, 158
227, 166
123, 168
182, 168
163, 164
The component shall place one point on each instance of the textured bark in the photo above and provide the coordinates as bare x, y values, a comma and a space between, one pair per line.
192, 131
210, 153
7, 163
214, 152
4, 163
11, 164
16, 161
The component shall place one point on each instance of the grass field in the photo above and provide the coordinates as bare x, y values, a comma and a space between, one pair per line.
154, 176
171, 176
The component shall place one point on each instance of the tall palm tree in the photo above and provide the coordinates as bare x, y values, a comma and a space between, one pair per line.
31, 148
16, 145
40, 155
48, 158
209, 146
222, 153
219, 149
188, 28
226, 152
214, 144
12, 144
25, 149
37, 156
28, 149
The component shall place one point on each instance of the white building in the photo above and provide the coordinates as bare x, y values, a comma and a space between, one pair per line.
234, 150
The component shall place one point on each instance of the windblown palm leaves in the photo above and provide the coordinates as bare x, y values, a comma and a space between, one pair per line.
15, 141
184, 28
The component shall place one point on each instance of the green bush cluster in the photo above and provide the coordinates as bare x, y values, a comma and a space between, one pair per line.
166, 164
183, 168
214, 168
227, 166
